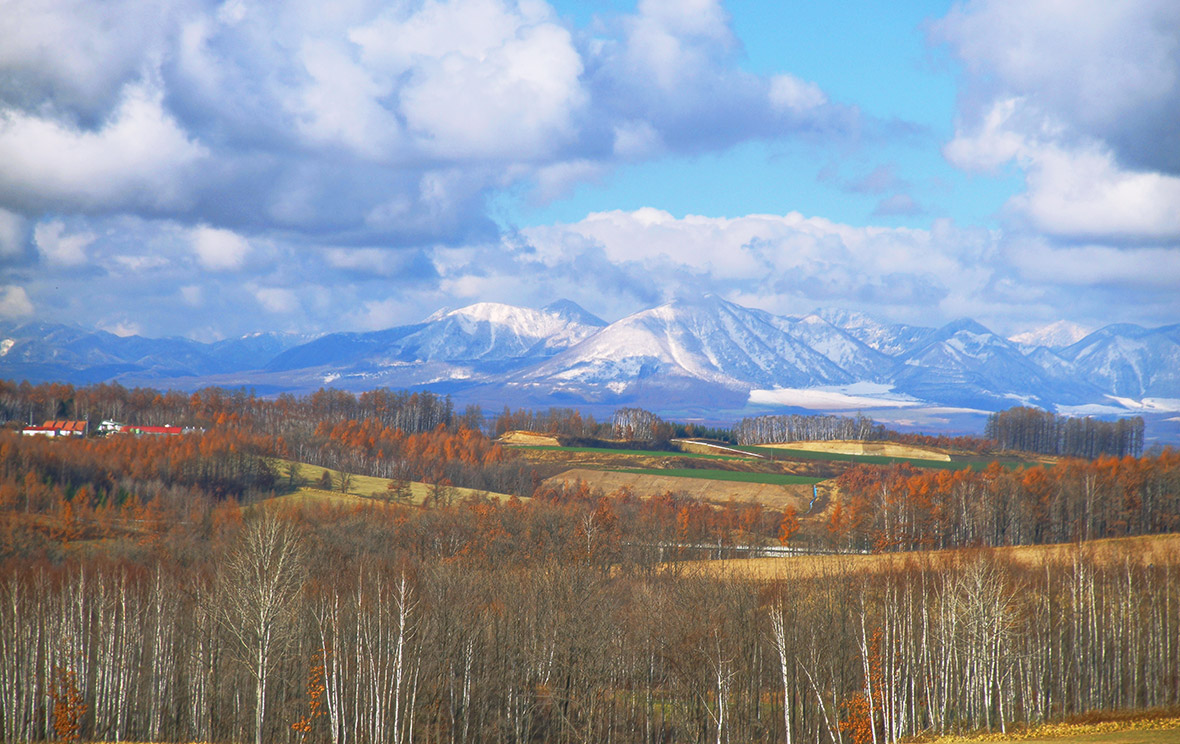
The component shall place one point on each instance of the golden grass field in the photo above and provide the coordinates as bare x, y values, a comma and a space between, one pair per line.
857, 447
1146, 730
1142, 550
645, 485
362, 488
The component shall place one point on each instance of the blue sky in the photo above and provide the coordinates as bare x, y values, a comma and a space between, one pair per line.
181, 167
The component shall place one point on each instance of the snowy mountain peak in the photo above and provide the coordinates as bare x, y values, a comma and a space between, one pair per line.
705, 339
524, 322
1055, 335
574, 312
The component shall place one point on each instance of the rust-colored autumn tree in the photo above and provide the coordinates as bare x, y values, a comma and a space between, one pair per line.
68, 708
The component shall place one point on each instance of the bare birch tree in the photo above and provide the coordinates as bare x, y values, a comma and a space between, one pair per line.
259, 586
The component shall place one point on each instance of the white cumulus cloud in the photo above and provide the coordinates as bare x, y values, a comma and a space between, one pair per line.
277, 299
1084, 97
219, 250
61, 248
12, 234
139, 158
14, 302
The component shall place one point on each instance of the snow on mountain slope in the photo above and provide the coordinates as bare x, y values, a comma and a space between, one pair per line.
1056, 335
700, 352
490, 330
484, 332
890, 339
1129, 361
965, 361
853, 356
708, 339
1052, 363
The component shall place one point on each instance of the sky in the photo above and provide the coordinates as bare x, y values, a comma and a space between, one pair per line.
202, 169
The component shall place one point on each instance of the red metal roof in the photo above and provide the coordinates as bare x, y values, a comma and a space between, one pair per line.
157, 429
61, 425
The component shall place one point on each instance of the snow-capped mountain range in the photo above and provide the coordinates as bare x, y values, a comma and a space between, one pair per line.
704, 352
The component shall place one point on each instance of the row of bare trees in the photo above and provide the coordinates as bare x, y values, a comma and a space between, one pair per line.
1036, 430
277, 642
797, 428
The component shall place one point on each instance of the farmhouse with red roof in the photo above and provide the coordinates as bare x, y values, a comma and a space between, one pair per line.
57, 428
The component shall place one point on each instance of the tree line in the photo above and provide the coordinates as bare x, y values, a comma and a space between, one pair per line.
904, 508
1034, 430
296, 417
23, 403
773, 429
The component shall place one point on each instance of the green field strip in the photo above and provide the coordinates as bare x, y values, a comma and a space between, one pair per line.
733, 476
609, 451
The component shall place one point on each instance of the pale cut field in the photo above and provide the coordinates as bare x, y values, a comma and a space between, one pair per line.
1145, 549
528, 439
646, 486
857, 447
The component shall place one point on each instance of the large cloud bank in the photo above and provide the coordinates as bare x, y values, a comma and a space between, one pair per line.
1084, 97
207, 169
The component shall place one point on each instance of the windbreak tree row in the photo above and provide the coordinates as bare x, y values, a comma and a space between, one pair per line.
280, 642
799, 428
1035, 430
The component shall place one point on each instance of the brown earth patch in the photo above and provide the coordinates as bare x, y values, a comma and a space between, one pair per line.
645, 485
529, 438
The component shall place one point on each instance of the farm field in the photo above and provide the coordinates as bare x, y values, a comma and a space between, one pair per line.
792, 451
776, 476
820, 459
1146, 549
859, 447
735, 476
647, 483
631, 452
